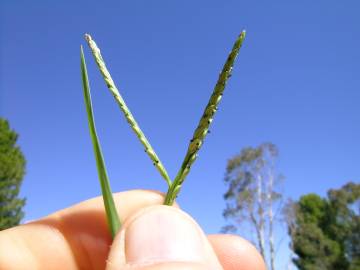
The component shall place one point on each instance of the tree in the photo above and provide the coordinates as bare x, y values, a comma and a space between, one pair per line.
252, 195
325, 232
12, 170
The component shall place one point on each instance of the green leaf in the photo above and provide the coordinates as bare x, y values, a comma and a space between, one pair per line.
111, 213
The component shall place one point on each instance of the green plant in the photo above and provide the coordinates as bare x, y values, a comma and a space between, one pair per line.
128, 115
194, 145
325, 231
12, 171
111, 213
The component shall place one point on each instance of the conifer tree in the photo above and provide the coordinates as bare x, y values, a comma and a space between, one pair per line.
12, 170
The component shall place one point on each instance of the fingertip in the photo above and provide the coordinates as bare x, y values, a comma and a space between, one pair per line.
161, 237
236, 253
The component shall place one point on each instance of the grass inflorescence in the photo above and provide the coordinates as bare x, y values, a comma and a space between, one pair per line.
124, 108
195, 143
203, 127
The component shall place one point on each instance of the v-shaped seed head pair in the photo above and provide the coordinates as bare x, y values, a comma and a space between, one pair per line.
194, 145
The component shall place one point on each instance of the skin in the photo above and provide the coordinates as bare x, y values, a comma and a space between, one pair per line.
78, 238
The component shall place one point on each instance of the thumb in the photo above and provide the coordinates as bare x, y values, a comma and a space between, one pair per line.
161, 237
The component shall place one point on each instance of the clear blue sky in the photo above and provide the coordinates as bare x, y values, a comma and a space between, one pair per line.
296, 84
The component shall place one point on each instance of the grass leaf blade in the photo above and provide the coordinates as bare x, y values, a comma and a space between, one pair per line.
111, 213
204, 123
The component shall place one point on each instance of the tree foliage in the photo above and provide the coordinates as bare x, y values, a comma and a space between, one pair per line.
325, 232
252, 195
12, 170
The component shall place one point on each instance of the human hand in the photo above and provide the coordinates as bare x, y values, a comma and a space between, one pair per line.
152, 237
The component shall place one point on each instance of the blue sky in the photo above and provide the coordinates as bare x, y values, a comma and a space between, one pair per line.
296, 83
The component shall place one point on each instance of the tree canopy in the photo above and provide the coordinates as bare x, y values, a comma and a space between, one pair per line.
12, 170
253, 196
325, 232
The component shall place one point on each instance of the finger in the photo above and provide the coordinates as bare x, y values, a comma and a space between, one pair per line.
73, 238
161, 237
235, 253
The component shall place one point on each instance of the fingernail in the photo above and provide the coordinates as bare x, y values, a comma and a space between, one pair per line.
163, 234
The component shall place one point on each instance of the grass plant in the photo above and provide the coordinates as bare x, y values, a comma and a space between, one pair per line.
110, 209
124, 108
203, 127
195, 143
